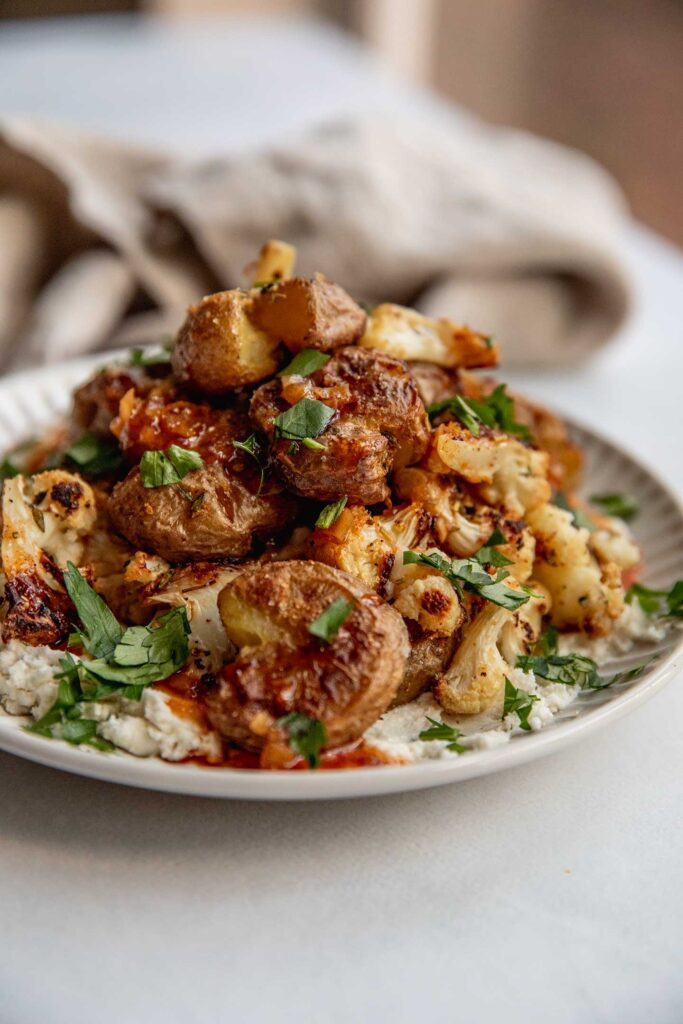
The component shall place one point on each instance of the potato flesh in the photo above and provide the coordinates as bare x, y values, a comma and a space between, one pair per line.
219, 348
308, 313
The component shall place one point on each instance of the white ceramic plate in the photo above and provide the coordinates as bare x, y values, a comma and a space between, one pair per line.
30, 401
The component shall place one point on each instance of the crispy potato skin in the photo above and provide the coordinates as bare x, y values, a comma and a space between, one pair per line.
346, 683
218, 348
231, 514
380, 423
308, 313
153, 423
427, 660
96, 402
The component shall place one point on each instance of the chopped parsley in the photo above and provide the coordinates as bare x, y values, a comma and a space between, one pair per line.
442, 731
95, 456
252, 448
306, 736
495, 410
305, 363
568, 669
160, 469
303, 422
151, 356
469, 574
661, 603
624, 506
326, 626
519, 702
330, 514
124, 662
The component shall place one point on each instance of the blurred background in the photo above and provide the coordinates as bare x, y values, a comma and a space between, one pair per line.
605, 76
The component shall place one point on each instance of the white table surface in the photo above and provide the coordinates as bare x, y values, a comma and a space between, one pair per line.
551, 893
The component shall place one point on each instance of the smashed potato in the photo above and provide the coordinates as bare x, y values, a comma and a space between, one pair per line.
214, 515
345, 683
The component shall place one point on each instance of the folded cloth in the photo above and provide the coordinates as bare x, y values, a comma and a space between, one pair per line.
103, 244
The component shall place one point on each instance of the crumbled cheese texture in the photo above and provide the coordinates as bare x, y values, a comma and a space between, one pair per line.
151, 728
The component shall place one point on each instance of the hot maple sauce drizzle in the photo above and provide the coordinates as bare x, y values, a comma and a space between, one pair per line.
186, 690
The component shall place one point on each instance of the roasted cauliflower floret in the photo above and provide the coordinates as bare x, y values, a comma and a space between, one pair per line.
612, 542
507, 473
308, 313
196, 587
345, 682
585, 595
46, 519
409, 335
219, 347
475, 679
461, 524
370, 547
378, 421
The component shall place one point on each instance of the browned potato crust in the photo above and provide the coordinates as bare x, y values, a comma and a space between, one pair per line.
224, 523
346, 683
380, 423
308, 313
96, 402
219, 349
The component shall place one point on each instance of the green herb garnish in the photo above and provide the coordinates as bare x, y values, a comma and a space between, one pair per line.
306, 736
125, 661
101, 630
326, 626
8, 469
252, 448
579, 518
305, 363
624, 506
155, 357
95, 456
661, 603
495, 410
489, 555
518, 701
570, 669
441, 731
330, 514
160, 469
468, 574
304, 421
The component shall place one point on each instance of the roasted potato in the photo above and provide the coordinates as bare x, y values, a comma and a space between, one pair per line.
345, 683
214, 514
220, 348
152, 424
409, 335
379, 423
308, 313
275, 262
96, 403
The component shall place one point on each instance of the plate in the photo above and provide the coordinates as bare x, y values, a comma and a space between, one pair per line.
31, 401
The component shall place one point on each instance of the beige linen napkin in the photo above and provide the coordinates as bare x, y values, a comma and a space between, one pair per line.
102, 244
